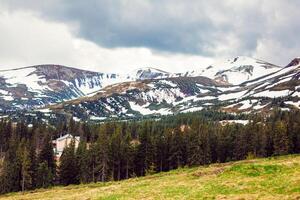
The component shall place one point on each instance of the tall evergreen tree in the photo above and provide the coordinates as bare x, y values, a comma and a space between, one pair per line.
128, 152
161, 152
280, 139
45, 177
83, 162
144, 157
33, 163
25, 162
103, 156
68, 168
10, 179
199, 147
116, 152
177, 154
46, 155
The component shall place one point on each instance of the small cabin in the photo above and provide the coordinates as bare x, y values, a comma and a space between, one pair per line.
62, 142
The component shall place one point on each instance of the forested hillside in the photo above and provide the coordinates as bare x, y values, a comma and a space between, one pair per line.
275, 178
122, 150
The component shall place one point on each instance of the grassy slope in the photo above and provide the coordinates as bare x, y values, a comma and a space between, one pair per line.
273, 178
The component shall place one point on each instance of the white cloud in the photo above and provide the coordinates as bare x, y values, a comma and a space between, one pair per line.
267, 49
122, 34
27, 40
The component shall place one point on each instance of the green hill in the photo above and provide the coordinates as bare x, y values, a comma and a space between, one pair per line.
270, 178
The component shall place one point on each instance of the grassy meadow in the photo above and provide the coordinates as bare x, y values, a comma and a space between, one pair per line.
269, 178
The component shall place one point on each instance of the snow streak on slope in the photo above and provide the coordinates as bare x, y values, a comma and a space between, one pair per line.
255, 86
238, 70
24, 76
47, 84
150, 73
189, 94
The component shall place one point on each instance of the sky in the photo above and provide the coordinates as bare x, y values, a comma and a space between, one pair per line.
121, 35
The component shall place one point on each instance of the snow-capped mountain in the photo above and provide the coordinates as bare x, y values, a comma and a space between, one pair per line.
148, 73
40, 85
48, 84
238, 70
143, 97
250, 86
187, 94
151, 73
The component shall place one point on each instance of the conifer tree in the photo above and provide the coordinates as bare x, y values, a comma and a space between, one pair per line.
128, 152
145, 151
177, 156
103, 156
92, 158
116, 152
72, 126
2, 135
68, 168
44, 175
280, 140
83, 162
6, 135
47, 155
10, 179
25, 162
33, 163
160, 145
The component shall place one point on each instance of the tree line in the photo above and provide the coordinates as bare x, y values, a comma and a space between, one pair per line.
121, 150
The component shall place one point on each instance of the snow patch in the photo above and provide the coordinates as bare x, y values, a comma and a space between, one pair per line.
146, 111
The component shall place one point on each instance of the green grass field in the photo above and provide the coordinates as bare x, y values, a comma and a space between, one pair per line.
271, 178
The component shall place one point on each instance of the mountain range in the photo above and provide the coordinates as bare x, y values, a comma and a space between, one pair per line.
238, 85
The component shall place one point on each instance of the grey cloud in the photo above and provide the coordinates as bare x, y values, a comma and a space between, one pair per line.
209, 28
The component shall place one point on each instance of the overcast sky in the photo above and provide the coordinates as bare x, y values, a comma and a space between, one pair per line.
120, 35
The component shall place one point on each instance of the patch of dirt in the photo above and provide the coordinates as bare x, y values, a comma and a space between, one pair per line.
288, 85
207, 173
55, 85
294, 62
117, 88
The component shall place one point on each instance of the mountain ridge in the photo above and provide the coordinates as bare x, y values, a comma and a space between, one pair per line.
155, 92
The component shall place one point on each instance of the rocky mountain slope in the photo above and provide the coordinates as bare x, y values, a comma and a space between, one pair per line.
29, 87
238, 70
48, 91
187, 94
37, 86
151, 73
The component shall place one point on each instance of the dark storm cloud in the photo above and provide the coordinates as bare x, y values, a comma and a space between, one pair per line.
138, 24
209, 28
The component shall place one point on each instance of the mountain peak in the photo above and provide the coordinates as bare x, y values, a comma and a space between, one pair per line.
238, 69
46, 66
294, 62
150, 69
239, 82
147, 73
